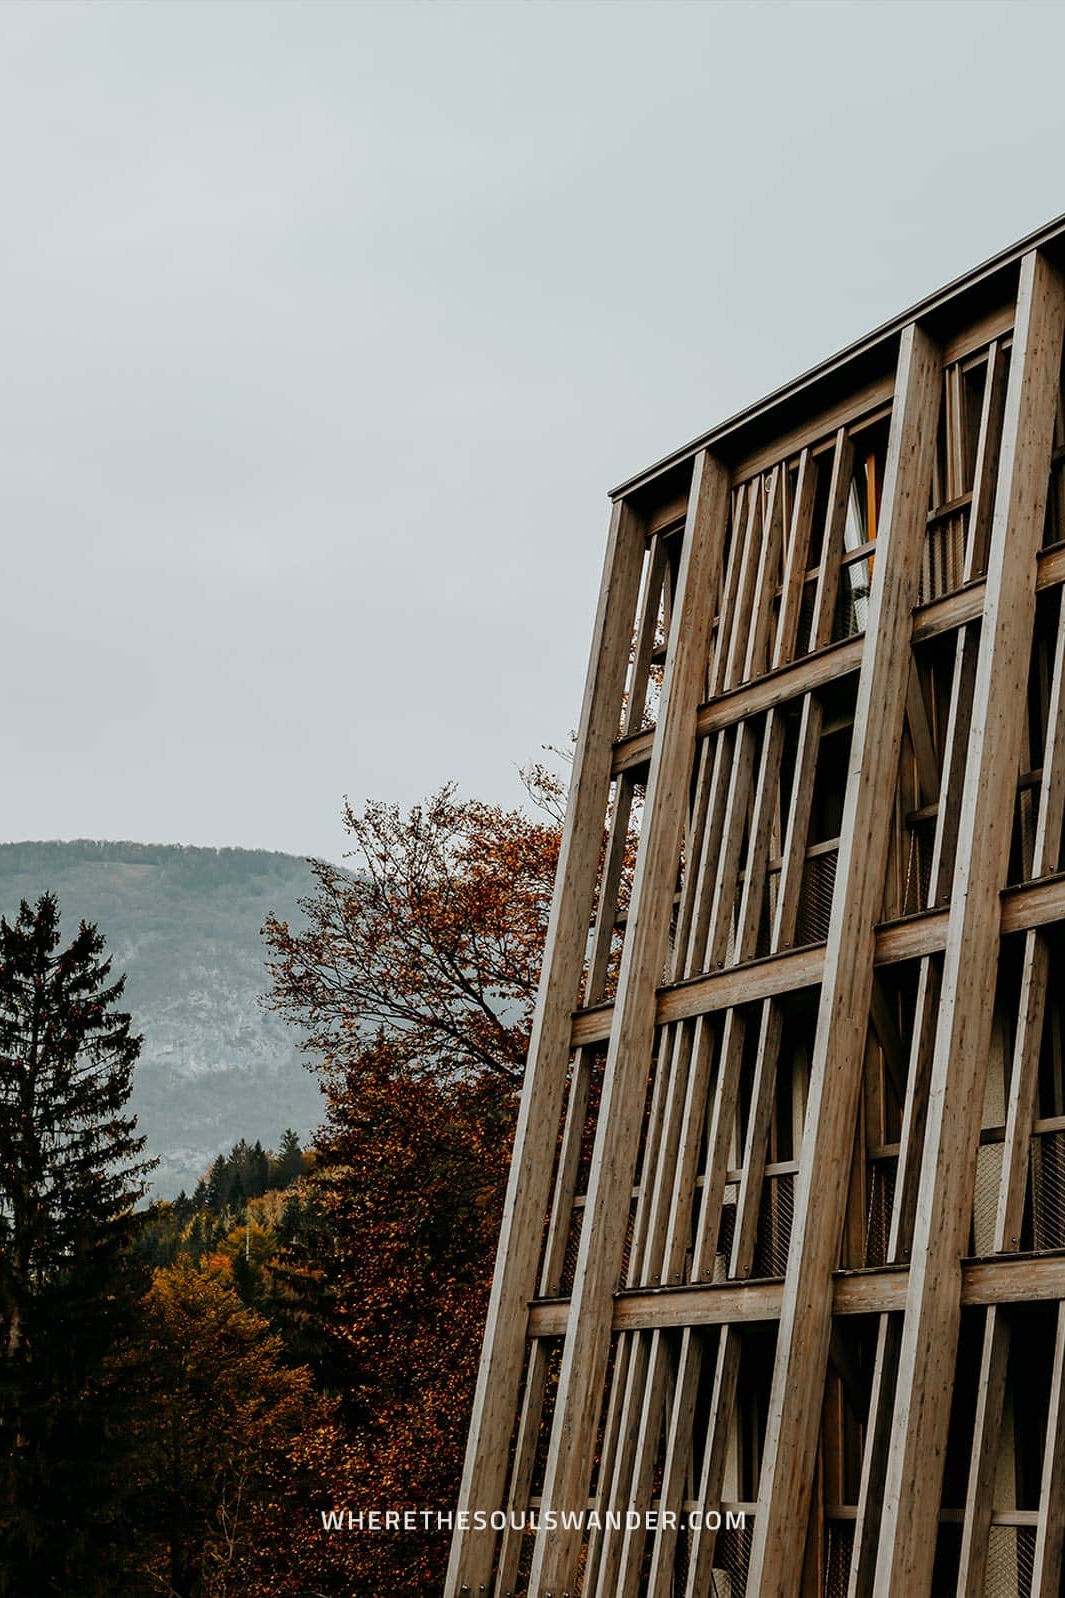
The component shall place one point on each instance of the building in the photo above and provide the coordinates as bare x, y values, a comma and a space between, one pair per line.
795, 1108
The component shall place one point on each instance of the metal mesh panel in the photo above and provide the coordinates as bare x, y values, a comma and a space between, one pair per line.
629, 1230
732, 1558
878, 1214
922, 838
769, 909
1048, 1190
815, 900
852, 600
985, 1196
943, 562
1010, 1562
1026, 817
774, 1225
839, 1545
730, 944
726, 1231
573, 1243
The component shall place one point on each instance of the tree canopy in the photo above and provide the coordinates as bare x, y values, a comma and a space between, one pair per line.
71, 1171
434, 937
415, 979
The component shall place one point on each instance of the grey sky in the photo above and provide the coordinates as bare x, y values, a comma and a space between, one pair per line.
326, 327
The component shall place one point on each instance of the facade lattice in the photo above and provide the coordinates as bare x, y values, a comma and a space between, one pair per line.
785, 1232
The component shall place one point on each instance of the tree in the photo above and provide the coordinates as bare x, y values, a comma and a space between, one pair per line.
289, 1162
435, 938
71, 1171
219, 1409
415, 979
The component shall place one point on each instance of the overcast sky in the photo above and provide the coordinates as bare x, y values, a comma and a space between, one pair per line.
325, 328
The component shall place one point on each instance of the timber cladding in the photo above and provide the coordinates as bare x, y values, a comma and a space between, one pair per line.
785, 1232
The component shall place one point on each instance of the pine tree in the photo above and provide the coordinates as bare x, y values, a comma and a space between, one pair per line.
71, 1171
290, 1161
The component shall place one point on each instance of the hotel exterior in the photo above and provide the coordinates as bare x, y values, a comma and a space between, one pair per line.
782, 1265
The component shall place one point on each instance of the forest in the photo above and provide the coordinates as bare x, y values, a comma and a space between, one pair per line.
189, 1388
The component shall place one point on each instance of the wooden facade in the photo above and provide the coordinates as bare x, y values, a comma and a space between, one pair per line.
785, 1231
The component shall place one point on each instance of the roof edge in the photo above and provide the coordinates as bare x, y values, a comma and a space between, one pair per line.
862, 346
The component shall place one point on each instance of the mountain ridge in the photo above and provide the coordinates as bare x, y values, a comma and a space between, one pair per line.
182, 922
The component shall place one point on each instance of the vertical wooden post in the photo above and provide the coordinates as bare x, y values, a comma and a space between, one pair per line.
839, 1048
944, 1203
529, 1189
629, 1052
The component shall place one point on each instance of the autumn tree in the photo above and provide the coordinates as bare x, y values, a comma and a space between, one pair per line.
221, 1497
414, 978
71, 1171
434, 937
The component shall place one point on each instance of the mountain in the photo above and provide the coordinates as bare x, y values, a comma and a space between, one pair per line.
183, 924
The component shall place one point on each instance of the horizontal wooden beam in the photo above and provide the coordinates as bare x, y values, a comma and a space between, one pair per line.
830, 664
1035, 904
1013, 1280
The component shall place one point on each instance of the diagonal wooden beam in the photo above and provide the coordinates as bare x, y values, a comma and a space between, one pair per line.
529, 1188
930, 1330
839, 1049
614, 1154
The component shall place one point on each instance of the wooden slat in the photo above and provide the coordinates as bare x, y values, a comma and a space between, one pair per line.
739, 521
741, 605
874, 1459
986, 469
797, 554
624, 1350
929, 1340
650, 602
839, 1048
524, 1462
606, 910
675, 1463
979, 1494
566, 1175
711, 1477
839, 493
915, 1109
626, 1581
760, 616
1034, 969
1050, 1536
625, 1448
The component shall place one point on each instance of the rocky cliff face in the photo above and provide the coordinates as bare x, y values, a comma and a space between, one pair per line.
183, 924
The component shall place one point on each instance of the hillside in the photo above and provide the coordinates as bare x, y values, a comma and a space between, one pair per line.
183, 924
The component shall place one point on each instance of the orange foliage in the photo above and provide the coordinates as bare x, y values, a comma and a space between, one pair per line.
416, 977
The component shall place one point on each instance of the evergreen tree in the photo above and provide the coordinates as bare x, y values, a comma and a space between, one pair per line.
290, 1160
71, 1170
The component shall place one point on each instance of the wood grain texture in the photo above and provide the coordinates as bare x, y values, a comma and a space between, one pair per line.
529, 1188
625, 1077
930, 1330
802, 1348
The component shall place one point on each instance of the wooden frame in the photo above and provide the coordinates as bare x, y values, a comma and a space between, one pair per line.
852, 659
